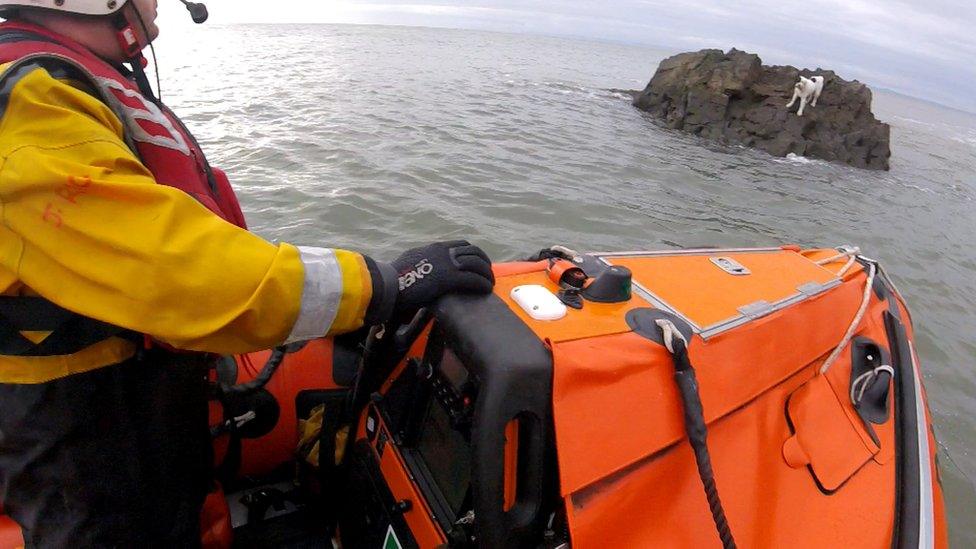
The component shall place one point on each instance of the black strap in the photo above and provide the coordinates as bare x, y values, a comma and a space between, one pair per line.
70, 332
33, 313
142, 81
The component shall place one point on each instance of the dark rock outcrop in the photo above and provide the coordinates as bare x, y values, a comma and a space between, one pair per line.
734, 98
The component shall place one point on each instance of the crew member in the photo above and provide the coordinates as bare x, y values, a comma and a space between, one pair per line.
124, 265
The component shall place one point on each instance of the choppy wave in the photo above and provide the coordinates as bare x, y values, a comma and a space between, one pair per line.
967, 139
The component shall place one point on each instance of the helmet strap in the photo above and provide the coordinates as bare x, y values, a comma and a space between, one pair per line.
132, 47
139, 74
125, 33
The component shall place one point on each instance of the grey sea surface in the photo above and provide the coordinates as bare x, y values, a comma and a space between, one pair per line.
380, 138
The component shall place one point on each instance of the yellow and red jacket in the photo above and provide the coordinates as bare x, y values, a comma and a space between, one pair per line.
108, 209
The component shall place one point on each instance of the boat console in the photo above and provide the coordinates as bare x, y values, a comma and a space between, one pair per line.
468, 420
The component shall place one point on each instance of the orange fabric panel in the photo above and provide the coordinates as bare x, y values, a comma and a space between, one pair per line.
597, 398
309, 368
830, 433
825, 438
768, 503
707, 295
10, 533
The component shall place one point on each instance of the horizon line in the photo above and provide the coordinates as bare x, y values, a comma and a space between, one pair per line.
580, 38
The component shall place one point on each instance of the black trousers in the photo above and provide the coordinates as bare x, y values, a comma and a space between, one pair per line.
116, 457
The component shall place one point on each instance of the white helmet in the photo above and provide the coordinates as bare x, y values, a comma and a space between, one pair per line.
81, 7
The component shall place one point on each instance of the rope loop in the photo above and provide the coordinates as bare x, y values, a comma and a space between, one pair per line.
865, 380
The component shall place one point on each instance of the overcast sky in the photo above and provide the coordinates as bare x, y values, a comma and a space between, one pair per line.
921, 48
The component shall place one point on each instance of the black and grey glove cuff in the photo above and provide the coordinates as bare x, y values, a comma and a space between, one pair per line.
385, 291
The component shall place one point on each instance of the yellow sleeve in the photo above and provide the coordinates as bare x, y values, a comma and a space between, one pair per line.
83, 224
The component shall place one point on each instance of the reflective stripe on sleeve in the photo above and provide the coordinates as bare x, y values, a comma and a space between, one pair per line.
320, 296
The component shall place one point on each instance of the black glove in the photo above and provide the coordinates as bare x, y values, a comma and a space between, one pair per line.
421, 275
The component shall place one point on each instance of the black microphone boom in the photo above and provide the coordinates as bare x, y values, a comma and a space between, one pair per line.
197, 11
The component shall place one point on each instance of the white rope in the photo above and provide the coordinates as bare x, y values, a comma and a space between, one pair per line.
846, 253
670, 331
843, 270
854, 323
240, 420
861, 382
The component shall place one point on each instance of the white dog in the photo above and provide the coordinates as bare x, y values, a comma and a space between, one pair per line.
805, 89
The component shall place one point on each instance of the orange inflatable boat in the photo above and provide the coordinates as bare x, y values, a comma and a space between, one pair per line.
695, 398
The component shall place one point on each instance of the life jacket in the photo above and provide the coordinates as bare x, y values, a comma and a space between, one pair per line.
157, 136
153, 133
